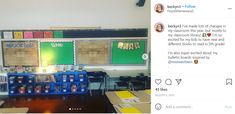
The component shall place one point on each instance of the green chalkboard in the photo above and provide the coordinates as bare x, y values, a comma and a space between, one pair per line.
128, 52
56, 53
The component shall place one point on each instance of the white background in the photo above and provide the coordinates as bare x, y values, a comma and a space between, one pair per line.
203, 85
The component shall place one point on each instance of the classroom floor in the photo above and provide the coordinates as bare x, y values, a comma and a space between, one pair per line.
61, 103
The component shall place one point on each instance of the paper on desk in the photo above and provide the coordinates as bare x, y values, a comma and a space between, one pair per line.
148, 91
127, 97
127, 108
124, 94
130, 110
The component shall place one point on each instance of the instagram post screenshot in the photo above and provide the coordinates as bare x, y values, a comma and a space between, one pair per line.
117, 56
75, 56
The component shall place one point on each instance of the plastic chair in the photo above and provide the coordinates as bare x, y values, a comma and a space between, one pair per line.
148, 84
96, 77
139, 83
124, 81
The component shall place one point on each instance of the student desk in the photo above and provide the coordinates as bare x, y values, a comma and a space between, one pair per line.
143, 105
143, 95
114, 99
14, 110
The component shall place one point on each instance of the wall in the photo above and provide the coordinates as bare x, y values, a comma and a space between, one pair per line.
43, 14
18, 14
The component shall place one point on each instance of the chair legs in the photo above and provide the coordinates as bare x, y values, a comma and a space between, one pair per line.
103, 90
132, 87
90, 89
90, 92
100, 88
115, 87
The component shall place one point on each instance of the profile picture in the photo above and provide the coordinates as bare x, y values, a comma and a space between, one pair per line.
159, 8
159, 27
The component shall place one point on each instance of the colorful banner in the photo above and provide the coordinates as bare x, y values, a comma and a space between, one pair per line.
28, 34
18, 35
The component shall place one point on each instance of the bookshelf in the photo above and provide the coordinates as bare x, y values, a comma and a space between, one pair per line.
69, 82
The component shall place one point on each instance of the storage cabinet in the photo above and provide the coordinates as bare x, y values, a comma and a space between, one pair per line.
44, 84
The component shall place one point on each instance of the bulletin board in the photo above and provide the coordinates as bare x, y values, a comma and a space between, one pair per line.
128, 51
20, 53
56, 53
92, 52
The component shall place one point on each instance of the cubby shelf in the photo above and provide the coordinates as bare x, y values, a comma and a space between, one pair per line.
70, 82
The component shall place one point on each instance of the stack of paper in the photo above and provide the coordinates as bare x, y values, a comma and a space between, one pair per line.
127, 97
